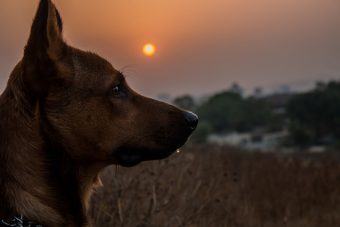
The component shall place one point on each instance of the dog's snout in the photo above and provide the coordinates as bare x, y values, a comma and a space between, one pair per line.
191, 119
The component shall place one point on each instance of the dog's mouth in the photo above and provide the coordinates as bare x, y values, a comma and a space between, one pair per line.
131, 157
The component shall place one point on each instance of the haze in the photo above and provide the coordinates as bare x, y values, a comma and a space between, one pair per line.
202, 46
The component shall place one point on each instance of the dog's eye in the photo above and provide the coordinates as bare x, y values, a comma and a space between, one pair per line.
118, 91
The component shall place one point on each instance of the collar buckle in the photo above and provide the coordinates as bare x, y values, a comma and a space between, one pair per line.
18, 221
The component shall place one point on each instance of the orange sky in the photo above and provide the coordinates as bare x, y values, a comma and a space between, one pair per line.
202, 46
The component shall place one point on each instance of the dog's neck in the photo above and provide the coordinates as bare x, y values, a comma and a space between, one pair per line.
37, 177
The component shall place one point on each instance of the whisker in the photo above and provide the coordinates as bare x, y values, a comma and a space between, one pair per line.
117, 170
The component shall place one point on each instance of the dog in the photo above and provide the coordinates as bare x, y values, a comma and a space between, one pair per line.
64, 116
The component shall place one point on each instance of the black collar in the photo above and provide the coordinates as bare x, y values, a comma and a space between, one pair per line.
18, 221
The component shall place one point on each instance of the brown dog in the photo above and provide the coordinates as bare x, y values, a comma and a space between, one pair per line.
65, 115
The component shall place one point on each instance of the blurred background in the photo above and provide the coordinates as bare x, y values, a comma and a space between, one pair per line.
262, 75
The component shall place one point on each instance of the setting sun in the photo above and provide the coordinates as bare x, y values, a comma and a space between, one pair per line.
149, 49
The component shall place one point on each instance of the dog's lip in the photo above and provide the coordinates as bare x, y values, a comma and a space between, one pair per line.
131, 157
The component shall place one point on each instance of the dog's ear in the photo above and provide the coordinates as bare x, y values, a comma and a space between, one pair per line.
46, 32
45, 48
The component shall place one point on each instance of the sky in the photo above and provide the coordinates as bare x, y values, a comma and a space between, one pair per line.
202, 46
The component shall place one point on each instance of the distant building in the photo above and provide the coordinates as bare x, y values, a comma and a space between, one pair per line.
233, 139
251, 141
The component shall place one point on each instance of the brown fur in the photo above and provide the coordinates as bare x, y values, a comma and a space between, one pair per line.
64, 116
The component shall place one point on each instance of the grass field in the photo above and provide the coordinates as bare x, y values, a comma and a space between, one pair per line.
215, 186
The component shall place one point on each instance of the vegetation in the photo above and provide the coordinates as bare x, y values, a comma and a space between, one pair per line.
313, 118
228, 111
315, 115
214, 186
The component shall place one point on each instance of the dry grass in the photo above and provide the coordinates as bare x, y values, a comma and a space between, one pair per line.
211, 186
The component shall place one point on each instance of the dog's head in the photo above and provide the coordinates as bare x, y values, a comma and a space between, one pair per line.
86, 105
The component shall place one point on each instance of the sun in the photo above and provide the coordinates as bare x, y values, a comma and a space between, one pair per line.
149, 49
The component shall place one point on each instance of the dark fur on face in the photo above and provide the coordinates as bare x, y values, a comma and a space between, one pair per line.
64, 116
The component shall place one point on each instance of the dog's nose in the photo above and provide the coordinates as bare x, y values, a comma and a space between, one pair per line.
191, 119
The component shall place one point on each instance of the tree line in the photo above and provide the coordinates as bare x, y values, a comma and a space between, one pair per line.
312, 118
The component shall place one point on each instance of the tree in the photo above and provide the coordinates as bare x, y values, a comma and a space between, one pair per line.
228, 111
315, 115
